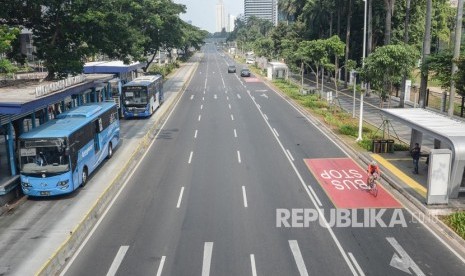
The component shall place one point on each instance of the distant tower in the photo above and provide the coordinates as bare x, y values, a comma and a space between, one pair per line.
220, 19
231, 23
265, 9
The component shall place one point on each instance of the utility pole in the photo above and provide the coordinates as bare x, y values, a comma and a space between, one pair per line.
458, 37
426, 52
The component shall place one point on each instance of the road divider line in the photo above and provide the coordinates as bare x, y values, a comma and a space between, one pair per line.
239, 96
207, 258
180, 197
244, 196
239, 156
299, 260
252, 264
160, 267
192, 97
235, 133
215, 97
201, 106
203, 98
357, 266
204, 91
232, 117
229, 106
227, 98
259, 106
195, 134
312, 198
290, 155
314, 195
117, 260
277, 134
200, 116
190, 157
266, 117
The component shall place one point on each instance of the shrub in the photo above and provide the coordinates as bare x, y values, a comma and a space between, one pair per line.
457, 222
350, 130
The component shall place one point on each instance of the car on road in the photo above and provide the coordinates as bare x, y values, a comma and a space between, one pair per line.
245, 72
250, 60
232, 69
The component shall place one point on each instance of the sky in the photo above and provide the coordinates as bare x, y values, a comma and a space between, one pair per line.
203, 12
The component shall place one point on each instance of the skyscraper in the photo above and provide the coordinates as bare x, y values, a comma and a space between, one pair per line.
231, 23
220, 18
265, 9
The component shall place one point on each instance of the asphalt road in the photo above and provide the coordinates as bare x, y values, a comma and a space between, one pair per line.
204, 198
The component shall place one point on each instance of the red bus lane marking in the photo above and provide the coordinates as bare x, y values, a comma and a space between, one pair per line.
344, 183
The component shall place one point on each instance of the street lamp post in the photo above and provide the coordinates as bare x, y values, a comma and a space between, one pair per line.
355, 84
360, 123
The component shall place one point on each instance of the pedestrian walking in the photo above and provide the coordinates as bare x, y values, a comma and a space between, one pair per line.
415, 152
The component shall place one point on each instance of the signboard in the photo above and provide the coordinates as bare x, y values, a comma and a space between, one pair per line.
28, 152
344, 182
439, 170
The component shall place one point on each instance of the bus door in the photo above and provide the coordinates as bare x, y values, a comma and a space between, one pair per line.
98, 127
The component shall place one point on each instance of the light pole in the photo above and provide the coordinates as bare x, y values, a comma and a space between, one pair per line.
360, 122
355, 84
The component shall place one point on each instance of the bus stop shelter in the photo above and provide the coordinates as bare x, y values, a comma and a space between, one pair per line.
448, 133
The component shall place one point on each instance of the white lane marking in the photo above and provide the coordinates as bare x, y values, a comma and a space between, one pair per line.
190, 157
266, 117
229, 106
359, 269
195, 134
239, 96
201, 106
200, 116
224, 85
298, 257
404, 262
314, 194
252, 263
118, 260
239, 156
277, 134
320, 211
226, 91
86, 240
203, 98
160, 267
259, 106
244, 196
207, 258
192, 96
253, 98
203, 91
227, 98
215, 97
290, 155
235, 133
180, 197
232, 117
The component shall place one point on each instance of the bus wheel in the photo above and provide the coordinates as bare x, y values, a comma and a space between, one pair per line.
110, 151
84, 177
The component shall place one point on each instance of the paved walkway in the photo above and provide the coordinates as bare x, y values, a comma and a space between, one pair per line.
398, 165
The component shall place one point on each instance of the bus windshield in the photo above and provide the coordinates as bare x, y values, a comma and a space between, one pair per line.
135, 96
43, 156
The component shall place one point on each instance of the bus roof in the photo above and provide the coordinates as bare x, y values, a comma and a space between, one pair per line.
143, 81
68, 122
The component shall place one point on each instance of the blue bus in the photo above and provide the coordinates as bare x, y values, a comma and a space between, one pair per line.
58, 156
142, 96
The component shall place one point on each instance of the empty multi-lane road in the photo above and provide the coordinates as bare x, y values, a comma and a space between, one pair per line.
205, 199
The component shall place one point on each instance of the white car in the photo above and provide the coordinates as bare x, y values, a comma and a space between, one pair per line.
250, 61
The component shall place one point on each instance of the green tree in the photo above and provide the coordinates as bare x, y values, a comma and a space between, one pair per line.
7, 37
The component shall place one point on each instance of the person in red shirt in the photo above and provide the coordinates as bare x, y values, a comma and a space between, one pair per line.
373, 171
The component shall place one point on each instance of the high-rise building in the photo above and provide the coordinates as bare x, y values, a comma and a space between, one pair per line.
231, 23
220, 18
265, 9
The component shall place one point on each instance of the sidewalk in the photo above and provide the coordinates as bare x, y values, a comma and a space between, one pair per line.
397, 166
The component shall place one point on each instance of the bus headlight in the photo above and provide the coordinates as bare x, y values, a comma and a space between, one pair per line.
63, 184
25, 184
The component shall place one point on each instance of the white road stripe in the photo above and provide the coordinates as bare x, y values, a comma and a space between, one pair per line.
203, 91
118, 260
277, 134
226, 91
207, 258
192, 96
298, 257
195, 134
190, 157
232, 117
357, 266
314, 195
229, 106
404, 256
180, 198
259, 106
244, 196
235, 133
201, 106
266, 117
215, 97
239, 96
200, 116
227, 98
203, 98
252, 262
290, 155
160, 267
253, 98
239, 156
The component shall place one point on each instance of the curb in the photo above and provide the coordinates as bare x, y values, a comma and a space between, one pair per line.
434, 223
55, 263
